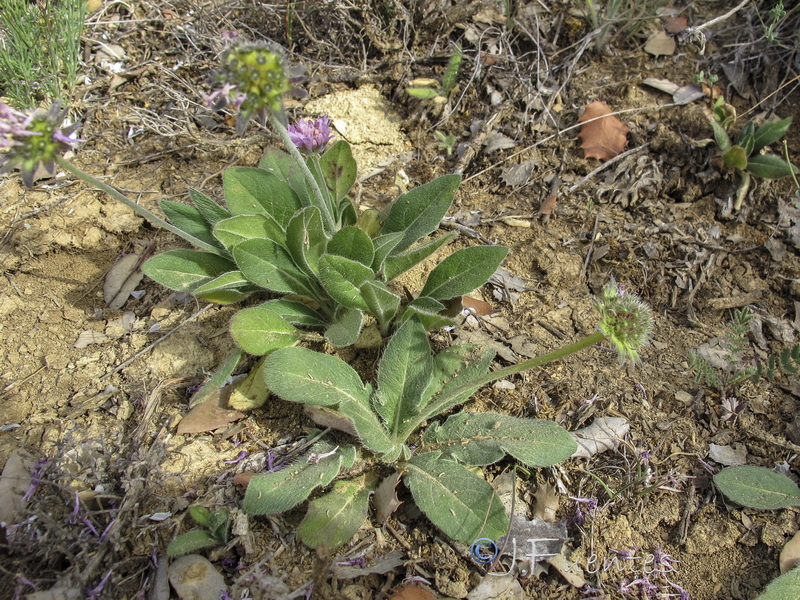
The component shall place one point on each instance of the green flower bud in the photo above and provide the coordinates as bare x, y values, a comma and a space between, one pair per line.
625, 320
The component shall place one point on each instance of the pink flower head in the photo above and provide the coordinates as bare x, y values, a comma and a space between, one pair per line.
311, 136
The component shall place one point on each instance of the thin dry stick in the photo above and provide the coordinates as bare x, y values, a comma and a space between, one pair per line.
696, 34
570, 128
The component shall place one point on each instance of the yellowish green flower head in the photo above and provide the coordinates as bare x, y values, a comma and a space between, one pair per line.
625, 320
254, 80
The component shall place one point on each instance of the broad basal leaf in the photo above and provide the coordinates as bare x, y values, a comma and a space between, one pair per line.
419, 211
338, 169
306, 239
249, 190
770, 166
334, 518
430, 312
189, 219
258, 330
455, 499
757, 487
236, 229
282, 165
382, 302
463, 271
308, 377
453, 368
277, 492
211, 211
369, 429
226, 289
345, 327
404, 372
484, 438
342, 278
396, 264
296, 313
770, 133
353, 243
384, 244
186, 270
269, 265
605, 137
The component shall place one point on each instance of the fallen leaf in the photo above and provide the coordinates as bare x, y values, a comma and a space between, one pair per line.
660, 43
328, 417
412, 592
605, 433
385, 498
476, 306
517, 175
388, 563
212, 414
570, 571
497, 587
14, 482
604, 138
790, 555
243, 478
497, 141
546, 502
89, 337
122, 279
194, 578
675, 24
730, 456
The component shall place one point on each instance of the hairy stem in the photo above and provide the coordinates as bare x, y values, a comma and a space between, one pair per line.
139, 210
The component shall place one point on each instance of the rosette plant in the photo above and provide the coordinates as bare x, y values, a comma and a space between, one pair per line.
394, 426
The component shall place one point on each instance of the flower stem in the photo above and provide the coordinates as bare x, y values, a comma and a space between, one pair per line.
139, 210
446, 401
312, 182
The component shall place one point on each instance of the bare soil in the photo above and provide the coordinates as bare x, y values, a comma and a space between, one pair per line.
103, 416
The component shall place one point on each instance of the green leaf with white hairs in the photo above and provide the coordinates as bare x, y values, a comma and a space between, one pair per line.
720, 135
250, 190
369, 429
353, 243
384, 245
189, 219
226, 289
456, 500
273, 493
785, 587
285, 167
419, 211
237, 229
306, 239
770, 166
347, 213
757, 487
345, 327
383, 303
428, 311
770, 133
397, 264
463, 271
339, 169
308, 377
336, 517
269, 265
342, 278
482, 439
258, 330
404, 373
186, 270
211, 211
745, 132
454, 368
192, 541
296, 313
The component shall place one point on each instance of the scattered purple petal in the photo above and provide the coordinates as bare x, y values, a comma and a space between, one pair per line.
239, 458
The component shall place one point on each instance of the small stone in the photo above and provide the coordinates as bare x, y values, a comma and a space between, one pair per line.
683, 397
195, 578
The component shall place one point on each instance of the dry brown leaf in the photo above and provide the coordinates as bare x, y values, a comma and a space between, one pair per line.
412, 592
546, 503
675, 24
605, 433
660, 43
385, 498
604, 138
211, 414
479, 307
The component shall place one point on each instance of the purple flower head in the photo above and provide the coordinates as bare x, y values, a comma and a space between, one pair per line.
34, 140
311, 136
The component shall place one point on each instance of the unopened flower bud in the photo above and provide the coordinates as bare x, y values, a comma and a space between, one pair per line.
625, 320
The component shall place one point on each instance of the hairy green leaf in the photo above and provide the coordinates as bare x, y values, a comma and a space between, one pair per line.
484, 438
345, 327
334, 518
397, 264
190, 542
463, 271
785, 587
296, 313
211, 211
189, 219
269, 265
430, 312
747, 131
770, 132
453, 368
757, 487
342, 278
456, 500
339, 169
369, 429
404, 372
384, 245
419, 211
250, 190
226, 289
306, 239
353, 243
186, 270
282, 165
770, 166
720, 135
308, 377
237, 229
382, 302
423, 93
258, 330
277, 492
